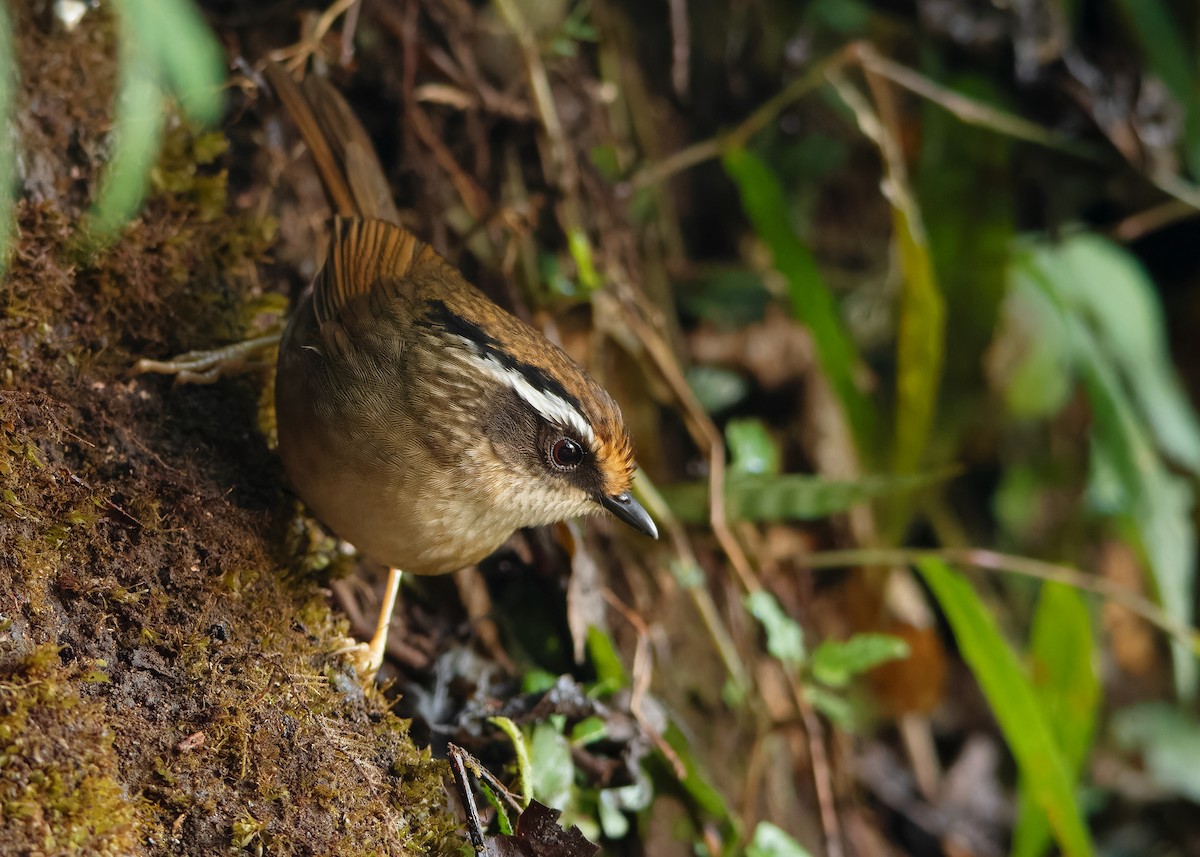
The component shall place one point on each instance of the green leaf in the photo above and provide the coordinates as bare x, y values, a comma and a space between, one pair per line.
771, 841
835, 706
1157, 503
588, 730
970, 254
1127, 322
1068, 690
585, 266
812, 301
1169, 741
138, 125
1117, 345
1014, 703
752, 451
164, 47
537, 680
785, 638
184, 49
789, 497
919, 344
609, 670
552, 770
706, 797
836, 663
1031, 360
521, 752
503, 822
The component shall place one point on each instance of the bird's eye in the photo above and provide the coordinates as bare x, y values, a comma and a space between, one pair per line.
566, 454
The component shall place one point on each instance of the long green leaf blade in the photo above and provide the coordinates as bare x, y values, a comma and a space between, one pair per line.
184, 50
1068, 690
1014, 703
1116, 343
139, 119
812, 302
919, 344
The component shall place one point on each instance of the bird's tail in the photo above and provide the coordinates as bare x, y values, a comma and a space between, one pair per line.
346, 160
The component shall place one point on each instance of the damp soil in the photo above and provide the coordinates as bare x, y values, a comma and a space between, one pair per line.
170, 674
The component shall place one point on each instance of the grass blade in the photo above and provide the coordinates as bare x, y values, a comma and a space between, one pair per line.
812, 302
1014, 703
1068, 689
184, 50
919, 343
165, 46
139, 119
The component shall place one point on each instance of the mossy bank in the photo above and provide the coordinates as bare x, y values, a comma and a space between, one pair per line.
169, 676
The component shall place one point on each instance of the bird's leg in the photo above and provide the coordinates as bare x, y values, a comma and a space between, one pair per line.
378, 644
205, 367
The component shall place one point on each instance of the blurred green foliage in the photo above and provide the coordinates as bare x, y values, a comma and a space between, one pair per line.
1045, 773
166, 50
1067, 687
1029, 327
1112, 339
771, 841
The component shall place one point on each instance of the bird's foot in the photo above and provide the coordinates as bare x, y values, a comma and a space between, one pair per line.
367, 658
205, 367
360, 657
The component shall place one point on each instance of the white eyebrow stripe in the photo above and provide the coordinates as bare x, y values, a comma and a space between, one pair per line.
552, 408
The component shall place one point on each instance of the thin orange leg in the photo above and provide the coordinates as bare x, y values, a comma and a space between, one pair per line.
375, 650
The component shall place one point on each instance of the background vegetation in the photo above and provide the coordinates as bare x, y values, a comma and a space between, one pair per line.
900, 299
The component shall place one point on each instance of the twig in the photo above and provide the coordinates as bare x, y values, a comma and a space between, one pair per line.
642, 674
681, 47
472, 195
865, 56
295, 56
701, 597
969, 110
706, 150
563, 172
1008, 563
706, 434
1157, 217
822, 777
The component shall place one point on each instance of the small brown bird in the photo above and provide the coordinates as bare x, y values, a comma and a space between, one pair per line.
417, 419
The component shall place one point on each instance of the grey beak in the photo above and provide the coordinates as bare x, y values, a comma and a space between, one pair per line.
631, 512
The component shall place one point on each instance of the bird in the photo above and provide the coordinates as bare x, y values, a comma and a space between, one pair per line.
416, 418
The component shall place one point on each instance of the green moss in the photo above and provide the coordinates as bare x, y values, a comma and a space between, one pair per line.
59, 781
147, 541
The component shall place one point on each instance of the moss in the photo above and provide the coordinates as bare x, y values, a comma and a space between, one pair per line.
167, 676
59, 773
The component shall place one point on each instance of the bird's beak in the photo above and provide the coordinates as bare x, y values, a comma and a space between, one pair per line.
631, 512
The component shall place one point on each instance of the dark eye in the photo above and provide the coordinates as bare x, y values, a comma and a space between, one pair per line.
566, 454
